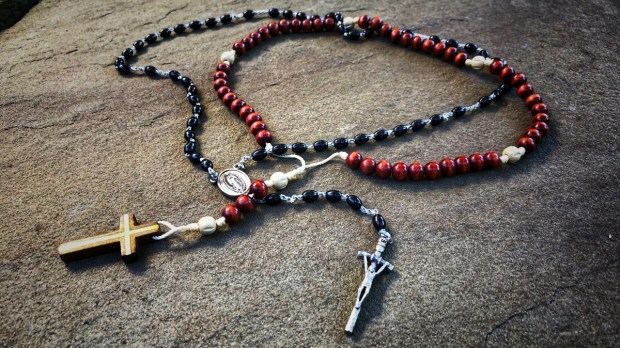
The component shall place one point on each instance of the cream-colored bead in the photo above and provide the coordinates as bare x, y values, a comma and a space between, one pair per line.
207, 225
279, 180
349, 21
228, 56
504, 159
514, 153
488, 61
221, 222
476, 63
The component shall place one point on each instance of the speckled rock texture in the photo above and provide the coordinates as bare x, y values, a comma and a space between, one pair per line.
522, 256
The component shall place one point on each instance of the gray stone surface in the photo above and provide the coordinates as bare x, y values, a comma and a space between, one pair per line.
525, 256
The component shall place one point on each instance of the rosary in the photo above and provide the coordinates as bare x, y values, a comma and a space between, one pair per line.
235, 183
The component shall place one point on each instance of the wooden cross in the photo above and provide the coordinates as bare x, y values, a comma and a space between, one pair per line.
127, 234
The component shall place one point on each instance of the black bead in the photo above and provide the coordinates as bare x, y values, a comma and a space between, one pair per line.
165, 33
128, 53
274, 13
458, 111
211, 22
151, 38
484, 53
194, 157
333, 196
259, 155
196, 110
418, 125
314, 17
149, 70
190, 147
225, 19
378, 222
436, 120
288, 14
179, 28
309, 196
186, 81
273, 199
192, 99
192, 121
352, 35
485, 101
361, 139
192, 89
504, 88
331, 15
195, 25
354, 202
470, 48
451, 43
279, 149
341, 143
189, 135
248, 14
138, 45
400, 130
320, 145
121, 66
338, 17
299, 148
435, 38
206, 164
381, 134
174, 75
301, 16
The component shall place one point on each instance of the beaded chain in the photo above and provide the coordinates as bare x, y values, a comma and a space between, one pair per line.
247, 193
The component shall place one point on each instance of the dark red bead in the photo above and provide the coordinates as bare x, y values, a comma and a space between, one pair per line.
534, 134
525, 90
295, 25
450, 53
496, 67
447, 167
428, 45
220, 75
255, 35
284, 26
542, 127
386, 30
257, 126
439, 49
395, 35
317, 25
225, 67
518, 79
354, 159
460, 58
405, 39
274, 28
400, 171
383, 169
248, 42
416, 43
263, 137
528, 143
259, 189
244, 203
476, 162
329, 24
306, 25
507, 73
538, 108
231, 214
265, 32
222, 91
363, 21
253, 117
219, 83
239, 47
432, 170
533, 99
228, 98
416, 171
236, 105
462, 164
541, 117
492, 160
375, 24
245, 111
367, 166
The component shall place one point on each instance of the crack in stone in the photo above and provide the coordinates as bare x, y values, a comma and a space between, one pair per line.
549, 301
171, 11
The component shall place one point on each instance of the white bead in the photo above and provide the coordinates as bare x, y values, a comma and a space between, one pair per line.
229, 56
504, 159
477, 62
207, 225
221, 222
279, 180
349, 21
488, 61
514, 154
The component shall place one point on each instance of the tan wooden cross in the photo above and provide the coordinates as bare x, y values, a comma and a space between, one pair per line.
127, 235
